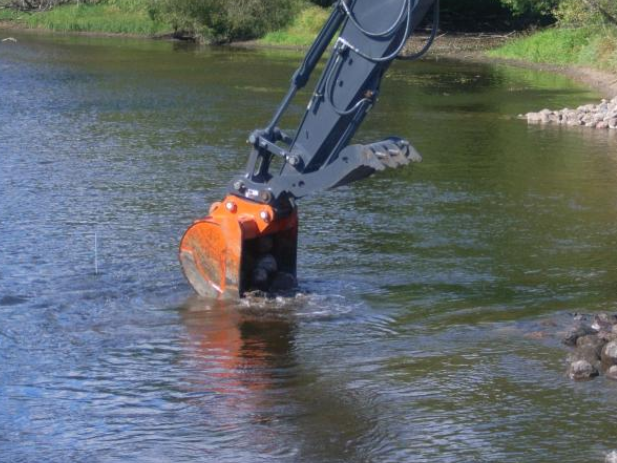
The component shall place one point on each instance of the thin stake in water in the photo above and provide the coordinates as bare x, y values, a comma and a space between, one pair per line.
96, 254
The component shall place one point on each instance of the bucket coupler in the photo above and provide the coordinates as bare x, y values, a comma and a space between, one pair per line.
249, 240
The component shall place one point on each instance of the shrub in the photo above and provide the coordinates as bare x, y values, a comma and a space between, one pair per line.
40, 5
585, 12
226, 20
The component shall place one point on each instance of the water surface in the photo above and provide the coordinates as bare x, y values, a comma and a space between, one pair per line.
419, 286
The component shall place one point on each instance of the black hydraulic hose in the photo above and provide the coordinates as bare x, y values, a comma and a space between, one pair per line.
429, 43
385, 33
336, 67
330, 90
411, 5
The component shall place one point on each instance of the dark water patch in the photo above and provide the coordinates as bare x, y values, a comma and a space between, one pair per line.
11, 300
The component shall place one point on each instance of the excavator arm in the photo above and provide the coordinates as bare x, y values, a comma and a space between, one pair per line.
249, 241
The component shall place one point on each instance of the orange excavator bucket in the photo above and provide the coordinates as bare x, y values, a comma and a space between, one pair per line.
240, 247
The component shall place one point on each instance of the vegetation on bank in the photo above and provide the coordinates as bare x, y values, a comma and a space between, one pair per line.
303, 29
112, 16
585, 34
582, 32
204, 20
277, 21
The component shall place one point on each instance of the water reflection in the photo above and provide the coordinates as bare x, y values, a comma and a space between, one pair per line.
266, 396
242, 352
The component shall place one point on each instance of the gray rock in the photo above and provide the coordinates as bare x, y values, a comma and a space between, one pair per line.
533, 117
607, 336
601, 116
260, 279
604, 321
283, 282
609, 354
592, 343
576, 332
265, 244
598, 117
581, 370
611, 373
587, 354
267, 263
554, 118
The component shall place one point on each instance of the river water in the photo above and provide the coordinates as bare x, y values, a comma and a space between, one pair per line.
411, 338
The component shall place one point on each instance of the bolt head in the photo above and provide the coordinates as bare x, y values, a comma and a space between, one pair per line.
238, 185
265, 216
231, 207
265, 196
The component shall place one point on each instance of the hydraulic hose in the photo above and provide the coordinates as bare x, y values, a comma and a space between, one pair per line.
431, 39
329, 90
385, 33
411, 6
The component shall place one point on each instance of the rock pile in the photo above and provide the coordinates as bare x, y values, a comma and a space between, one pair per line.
600, 116
266, 276
595, 348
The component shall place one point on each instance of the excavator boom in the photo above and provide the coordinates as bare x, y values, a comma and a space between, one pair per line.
249, 241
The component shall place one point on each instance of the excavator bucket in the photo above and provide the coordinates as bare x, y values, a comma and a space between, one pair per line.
241, 246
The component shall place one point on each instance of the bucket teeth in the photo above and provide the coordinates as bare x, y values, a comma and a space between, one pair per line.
393, 153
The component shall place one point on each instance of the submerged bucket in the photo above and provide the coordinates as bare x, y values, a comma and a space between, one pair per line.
240, 247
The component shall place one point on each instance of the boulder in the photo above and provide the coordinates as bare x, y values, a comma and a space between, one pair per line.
267, 263
581, 370
260, 279
591, 343
611, 373
283, 282
576, 332
604, 321
609, 354
265, 244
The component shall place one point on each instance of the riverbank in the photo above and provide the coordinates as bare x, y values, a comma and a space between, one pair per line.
481, 48
585, 54
123, 17
487, 48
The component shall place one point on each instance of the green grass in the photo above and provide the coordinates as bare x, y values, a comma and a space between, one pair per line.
303, 29
565, 46
7, 14
111, 16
